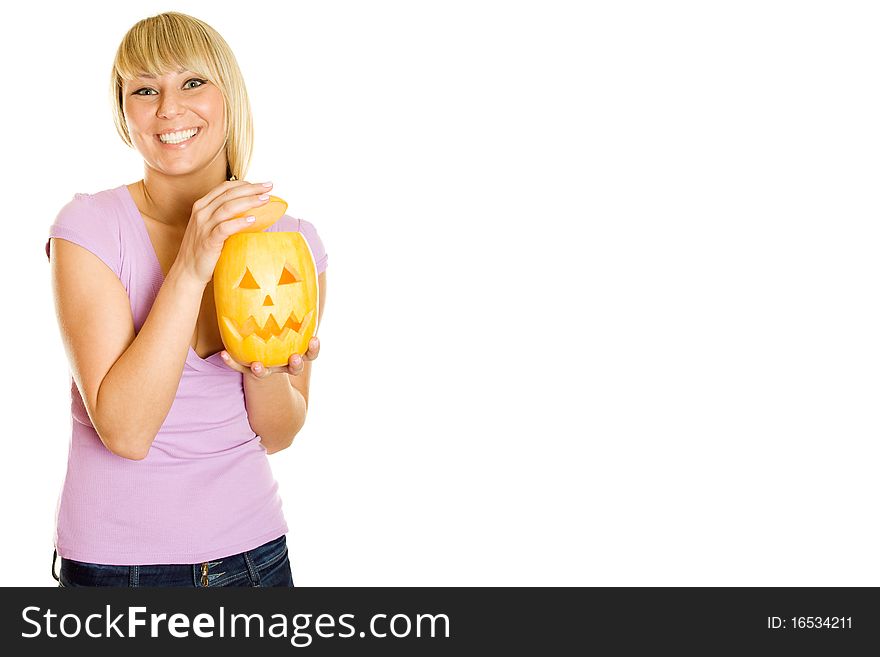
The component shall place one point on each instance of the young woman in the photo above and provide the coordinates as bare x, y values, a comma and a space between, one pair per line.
168, 481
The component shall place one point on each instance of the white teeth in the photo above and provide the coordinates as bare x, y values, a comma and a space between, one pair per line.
177, 137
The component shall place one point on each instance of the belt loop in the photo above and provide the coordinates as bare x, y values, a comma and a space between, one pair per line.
252, 570
54, 557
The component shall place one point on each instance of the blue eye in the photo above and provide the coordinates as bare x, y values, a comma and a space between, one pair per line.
138, 92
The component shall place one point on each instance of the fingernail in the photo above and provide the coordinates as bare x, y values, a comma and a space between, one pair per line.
267, 184
258, 368
224, 356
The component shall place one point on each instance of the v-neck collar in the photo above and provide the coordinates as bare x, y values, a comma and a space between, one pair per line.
158, 278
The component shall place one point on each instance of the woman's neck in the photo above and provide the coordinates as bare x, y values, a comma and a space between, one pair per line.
170, 199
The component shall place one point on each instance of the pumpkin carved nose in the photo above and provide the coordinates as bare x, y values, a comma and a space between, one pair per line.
268, 301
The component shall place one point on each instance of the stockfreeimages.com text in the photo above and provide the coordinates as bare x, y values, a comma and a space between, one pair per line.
134, 622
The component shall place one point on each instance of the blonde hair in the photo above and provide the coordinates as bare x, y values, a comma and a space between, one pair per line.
160, 44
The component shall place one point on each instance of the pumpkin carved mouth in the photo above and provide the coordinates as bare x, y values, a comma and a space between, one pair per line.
269, 329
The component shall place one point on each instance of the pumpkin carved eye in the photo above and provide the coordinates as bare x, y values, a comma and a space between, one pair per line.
248, 282
289, 275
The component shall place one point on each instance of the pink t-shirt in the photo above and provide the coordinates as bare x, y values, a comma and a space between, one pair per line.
205, 489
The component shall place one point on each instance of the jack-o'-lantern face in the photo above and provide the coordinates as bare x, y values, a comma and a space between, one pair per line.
266, 296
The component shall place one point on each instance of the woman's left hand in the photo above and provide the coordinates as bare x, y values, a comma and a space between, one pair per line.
294, 366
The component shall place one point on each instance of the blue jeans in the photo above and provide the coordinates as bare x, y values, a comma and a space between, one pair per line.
266, 565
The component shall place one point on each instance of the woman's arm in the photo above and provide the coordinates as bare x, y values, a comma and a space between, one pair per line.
276, 410
277, 404
128, 382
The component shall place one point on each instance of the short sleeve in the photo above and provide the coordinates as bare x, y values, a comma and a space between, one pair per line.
290, 224
315, 243
83, 222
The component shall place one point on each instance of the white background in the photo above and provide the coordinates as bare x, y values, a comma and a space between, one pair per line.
602, 282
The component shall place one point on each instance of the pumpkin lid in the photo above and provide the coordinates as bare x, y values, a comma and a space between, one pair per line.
266, 214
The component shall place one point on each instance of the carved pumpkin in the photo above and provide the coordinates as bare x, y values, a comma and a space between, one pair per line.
266, 291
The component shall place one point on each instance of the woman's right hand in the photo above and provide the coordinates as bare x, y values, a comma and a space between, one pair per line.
209, 225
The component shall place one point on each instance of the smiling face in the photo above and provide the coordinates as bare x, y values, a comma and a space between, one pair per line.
174, 101
266, 296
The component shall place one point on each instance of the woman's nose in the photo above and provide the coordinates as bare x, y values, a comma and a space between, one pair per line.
169, 105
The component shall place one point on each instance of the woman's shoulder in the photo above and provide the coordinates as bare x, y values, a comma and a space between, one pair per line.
286, 224
92, 204
290, 224
105, 196
104, 204
91, 219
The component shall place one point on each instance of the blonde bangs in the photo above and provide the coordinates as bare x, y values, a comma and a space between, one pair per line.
140, 55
